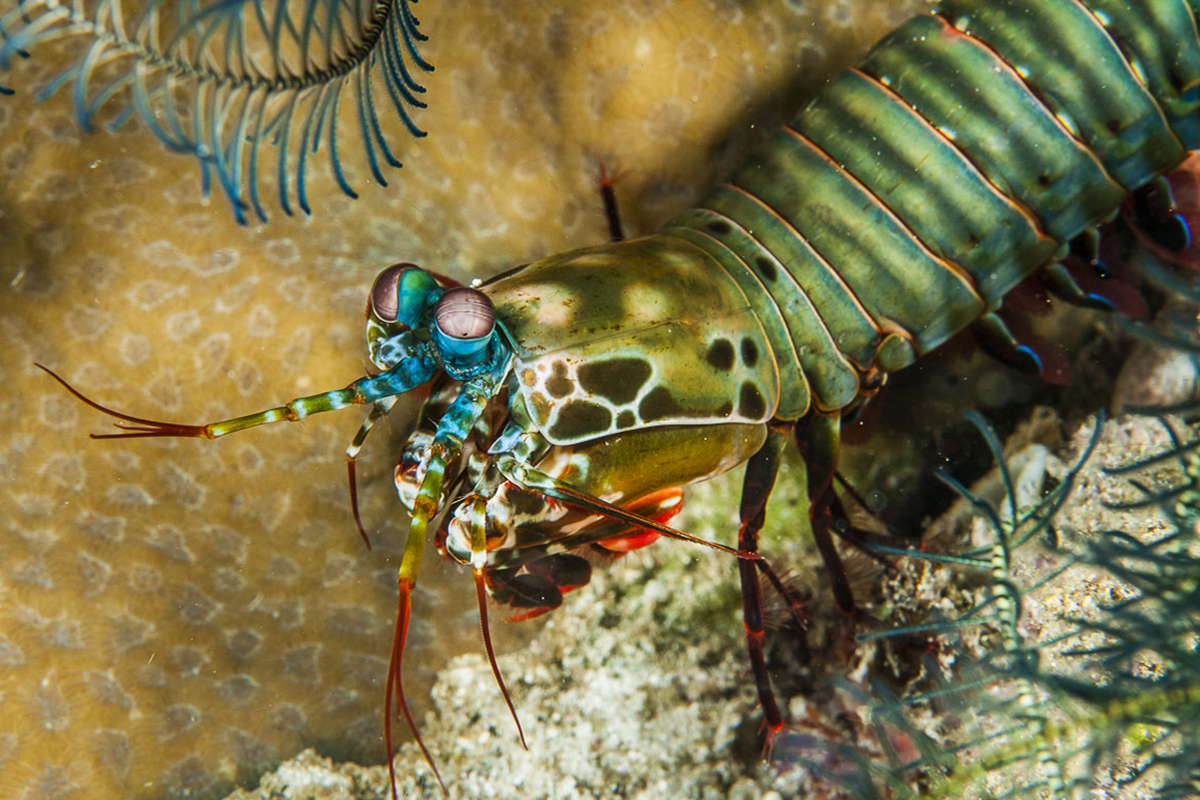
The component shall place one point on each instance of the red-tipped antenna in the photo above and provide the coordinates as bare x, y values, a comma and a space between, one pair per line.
395, 682
141, 428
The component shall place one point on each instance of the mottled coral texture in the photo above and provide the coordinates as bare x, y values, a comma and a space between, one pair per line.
176, 616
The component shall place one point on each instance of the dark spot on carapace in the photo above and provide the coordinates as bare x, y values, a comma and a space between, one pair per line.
659, 404
749, 352
1175, 79
725, 409
524, 504
766, 269
720, 355
1114, 126
559, 385
579, 419
751, 404
626, 420
719, 227
617, 380
1043, 180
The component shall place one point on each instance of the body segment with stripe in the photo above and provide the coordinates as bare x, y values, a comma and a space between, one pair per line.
909, 197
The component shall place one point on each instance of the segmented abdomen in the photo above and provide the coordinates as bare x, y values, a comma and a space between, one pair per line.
916, 190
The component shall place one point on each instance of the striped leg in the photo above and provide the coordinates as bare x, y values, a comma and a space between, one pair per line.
761, 471
818, 438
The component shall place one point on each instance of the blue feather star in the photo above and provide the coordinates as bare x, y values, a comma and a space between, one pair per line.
220, 79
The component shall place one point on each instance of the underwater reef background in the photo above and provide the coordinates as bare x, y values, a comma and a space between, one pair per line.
644, 707
176, 617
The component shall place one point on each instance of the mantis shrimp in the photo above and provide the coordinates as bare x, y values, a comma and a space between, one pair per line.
569, 400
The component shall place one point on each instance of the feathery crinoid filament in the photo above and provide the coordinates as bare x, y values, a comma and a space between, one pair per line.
222, 78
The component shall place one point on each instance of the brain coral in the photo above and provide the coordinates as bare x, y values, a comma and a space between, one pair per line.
176, 617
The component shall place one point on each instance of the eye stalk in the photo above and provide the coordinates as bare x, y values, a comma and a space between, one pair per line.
400, 301
400, 295
384, 300
464, 320
465, 313
406, 304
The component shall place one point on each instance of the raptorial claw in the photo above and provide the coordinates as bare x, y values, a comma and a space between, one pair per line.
529, 478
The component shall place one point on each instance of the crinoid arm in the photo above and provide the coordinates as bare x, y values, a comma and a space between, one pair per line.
1013, 687
223, 79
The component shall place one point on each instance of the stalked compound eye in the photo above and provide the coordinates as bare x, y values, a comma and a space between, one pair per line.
465, 313
385, 292
463, 322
